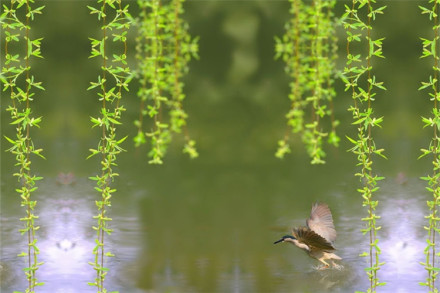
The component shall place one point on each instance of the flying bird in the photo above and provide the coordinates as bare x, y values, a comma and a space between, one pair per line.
317, 238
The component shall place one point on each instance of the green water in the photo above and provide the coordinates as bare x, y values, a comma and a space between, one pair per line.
208, 225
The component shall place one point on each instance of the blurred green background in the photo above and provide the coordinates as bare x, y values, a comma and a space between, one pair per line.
207, 225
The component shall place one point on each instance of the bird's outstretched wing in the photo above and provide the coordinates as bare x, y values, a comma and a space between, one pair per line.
321, 222
311, 239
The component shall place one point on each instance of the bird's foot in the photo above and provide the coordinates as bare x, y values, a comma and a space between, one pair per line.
321, 267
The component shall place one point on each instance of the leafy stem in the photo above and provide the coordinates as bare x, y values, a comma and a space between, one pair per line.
430, 50
16, 76
357, 75
114, 78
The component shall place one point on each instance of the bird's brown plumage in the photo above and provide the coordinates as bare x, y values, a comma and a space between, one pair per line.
311, 239
321, 222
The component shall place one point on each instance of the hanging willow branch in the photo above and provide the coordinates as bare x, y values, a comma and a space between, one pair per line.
113, 79
164, 48
309, 48
430, 49
17, 78
360, 80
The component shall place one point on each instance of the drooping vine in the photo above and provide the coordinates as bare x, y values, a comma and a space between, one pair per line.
164, 48
430, 49
20, 83
360, 80
112, 81
309, 49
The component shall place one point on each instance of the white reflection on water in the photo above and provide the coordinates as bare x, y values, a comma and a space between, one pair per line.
66, 241
403, 237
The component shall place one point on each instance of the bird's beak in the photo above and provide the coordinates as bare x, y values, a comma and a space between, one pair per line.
278, 241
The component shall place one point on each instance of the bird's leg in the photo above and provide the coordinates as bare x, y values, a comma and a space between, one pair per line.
326, 265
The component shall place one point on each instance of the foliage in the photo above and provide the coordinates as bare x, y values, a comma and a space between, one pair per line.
309, 50
359, 79
164, 48
16, 78
430, 50
113, 79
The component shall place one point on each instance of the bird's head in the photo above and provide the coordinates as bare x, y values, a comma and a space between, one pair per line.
285, 238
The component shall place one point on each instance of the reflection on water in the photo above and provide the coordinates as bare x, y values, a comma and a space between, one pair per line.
236, 280
65, 240
404, 241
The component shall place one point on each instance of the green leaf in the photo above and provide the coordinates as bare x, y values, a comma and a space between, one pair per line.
114, 121
92, 9
122, 140
351, 140
10, 140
